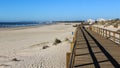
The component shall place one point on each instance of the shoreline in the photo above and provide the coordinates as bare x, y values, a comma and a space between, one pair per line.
33, 26
23, 27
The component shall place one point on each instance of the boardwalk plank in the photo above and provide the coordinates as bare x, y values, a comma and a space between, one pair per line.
100, 50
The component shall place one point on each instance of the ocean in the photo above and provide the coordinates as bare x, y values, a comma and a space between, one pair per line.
20, 24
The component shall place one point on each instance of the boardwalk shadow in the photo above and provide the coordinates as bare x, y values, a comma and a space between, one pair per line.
88, 53
105, 52
90, 63
95, 58
87, 47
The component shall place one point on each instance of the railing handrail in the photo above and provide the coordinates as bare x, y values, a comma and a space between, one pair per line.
105, 33
107, 30
72, 55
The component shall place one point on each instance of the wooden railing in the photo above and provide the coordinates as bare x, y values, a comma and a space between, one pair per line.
70, 55
112, 35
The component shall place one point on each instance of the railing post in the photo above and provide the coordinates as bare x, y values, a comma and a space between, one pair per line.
93, 28
106, 33
100, 32
72, 45
119, 38
67, 59
103, 32
114, 36
97, 29
109, 34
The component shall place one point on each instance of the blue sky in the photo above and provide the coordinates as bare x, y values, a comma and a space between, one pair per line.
41, 10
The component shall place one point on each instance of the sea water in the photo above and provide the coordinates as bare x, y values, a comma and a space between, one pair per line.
19, 24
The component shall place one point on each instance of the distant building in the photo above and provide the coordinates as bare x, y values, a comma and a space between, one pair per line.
100, 19
90, 21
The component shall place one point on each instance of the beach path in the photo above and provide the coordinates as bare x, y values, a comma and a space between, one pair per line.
91, 50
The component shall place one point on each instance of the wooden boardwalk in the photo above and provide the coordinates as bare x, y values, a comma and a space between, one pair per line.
91, 50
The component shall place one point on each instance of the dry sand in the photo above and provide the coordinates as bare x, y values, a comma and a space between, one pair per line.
26, 46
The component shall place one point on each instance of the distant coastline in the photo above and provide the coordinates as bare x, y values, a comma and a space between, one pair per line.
25, 24
21, 24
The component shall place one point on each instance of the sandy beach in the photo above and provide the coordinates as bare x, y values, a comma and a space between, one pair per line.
23, 48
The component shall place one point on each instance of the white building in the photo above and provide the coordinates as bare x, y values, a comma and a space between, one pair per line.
90, 21
101, 19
